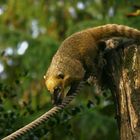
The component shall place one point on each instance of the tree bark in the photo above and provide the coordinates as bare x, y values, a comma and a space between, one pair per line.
122, 75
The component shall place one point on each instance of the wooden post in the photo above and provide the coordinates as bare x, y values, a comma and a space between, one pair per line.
122, 75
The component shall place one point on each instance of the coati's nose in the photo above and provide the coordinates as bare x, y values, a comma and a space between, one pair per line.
57, 96
57, 90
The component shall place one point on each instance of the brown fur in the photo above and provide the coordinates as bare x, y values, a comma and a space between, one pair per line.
76, 55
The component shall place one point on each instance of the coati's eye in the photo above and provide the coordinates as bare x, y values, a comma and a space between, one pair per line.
60, 75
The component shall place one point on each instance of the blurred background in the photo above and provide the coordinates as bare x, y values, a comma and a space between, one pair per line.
30, 33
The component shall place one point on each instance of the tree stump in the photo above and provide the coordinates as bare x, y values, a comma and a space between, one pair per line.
121, 74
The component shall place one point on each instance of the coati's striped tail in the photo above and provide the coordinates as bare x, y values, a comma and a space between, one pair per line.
114, 30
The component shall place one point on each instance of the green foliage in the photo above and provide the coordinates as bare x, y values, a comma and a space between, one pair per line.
40, 26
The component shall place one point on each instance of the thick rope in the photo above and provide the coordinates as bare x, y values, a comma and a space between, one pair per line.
44, 117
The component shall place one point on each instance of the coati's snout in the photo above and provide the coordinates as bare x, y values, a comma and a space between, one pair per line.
57, 96
58, 86
61, 75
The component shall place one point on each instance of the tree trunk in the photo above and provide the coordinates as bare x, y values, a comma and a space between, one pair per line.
122, 75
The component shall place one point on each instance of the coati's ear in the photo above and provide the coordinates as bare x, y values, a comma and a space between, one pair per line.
44, 77
101, 45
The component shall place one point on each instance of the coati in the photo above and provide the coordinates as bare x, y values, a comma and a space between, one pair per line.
75, 57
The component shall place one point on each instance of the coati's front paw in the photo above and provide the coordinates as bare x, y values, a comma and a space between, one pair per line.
91, 80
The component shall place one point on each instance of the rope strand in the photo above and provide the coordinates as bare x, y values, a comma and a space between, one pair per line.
46, 116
